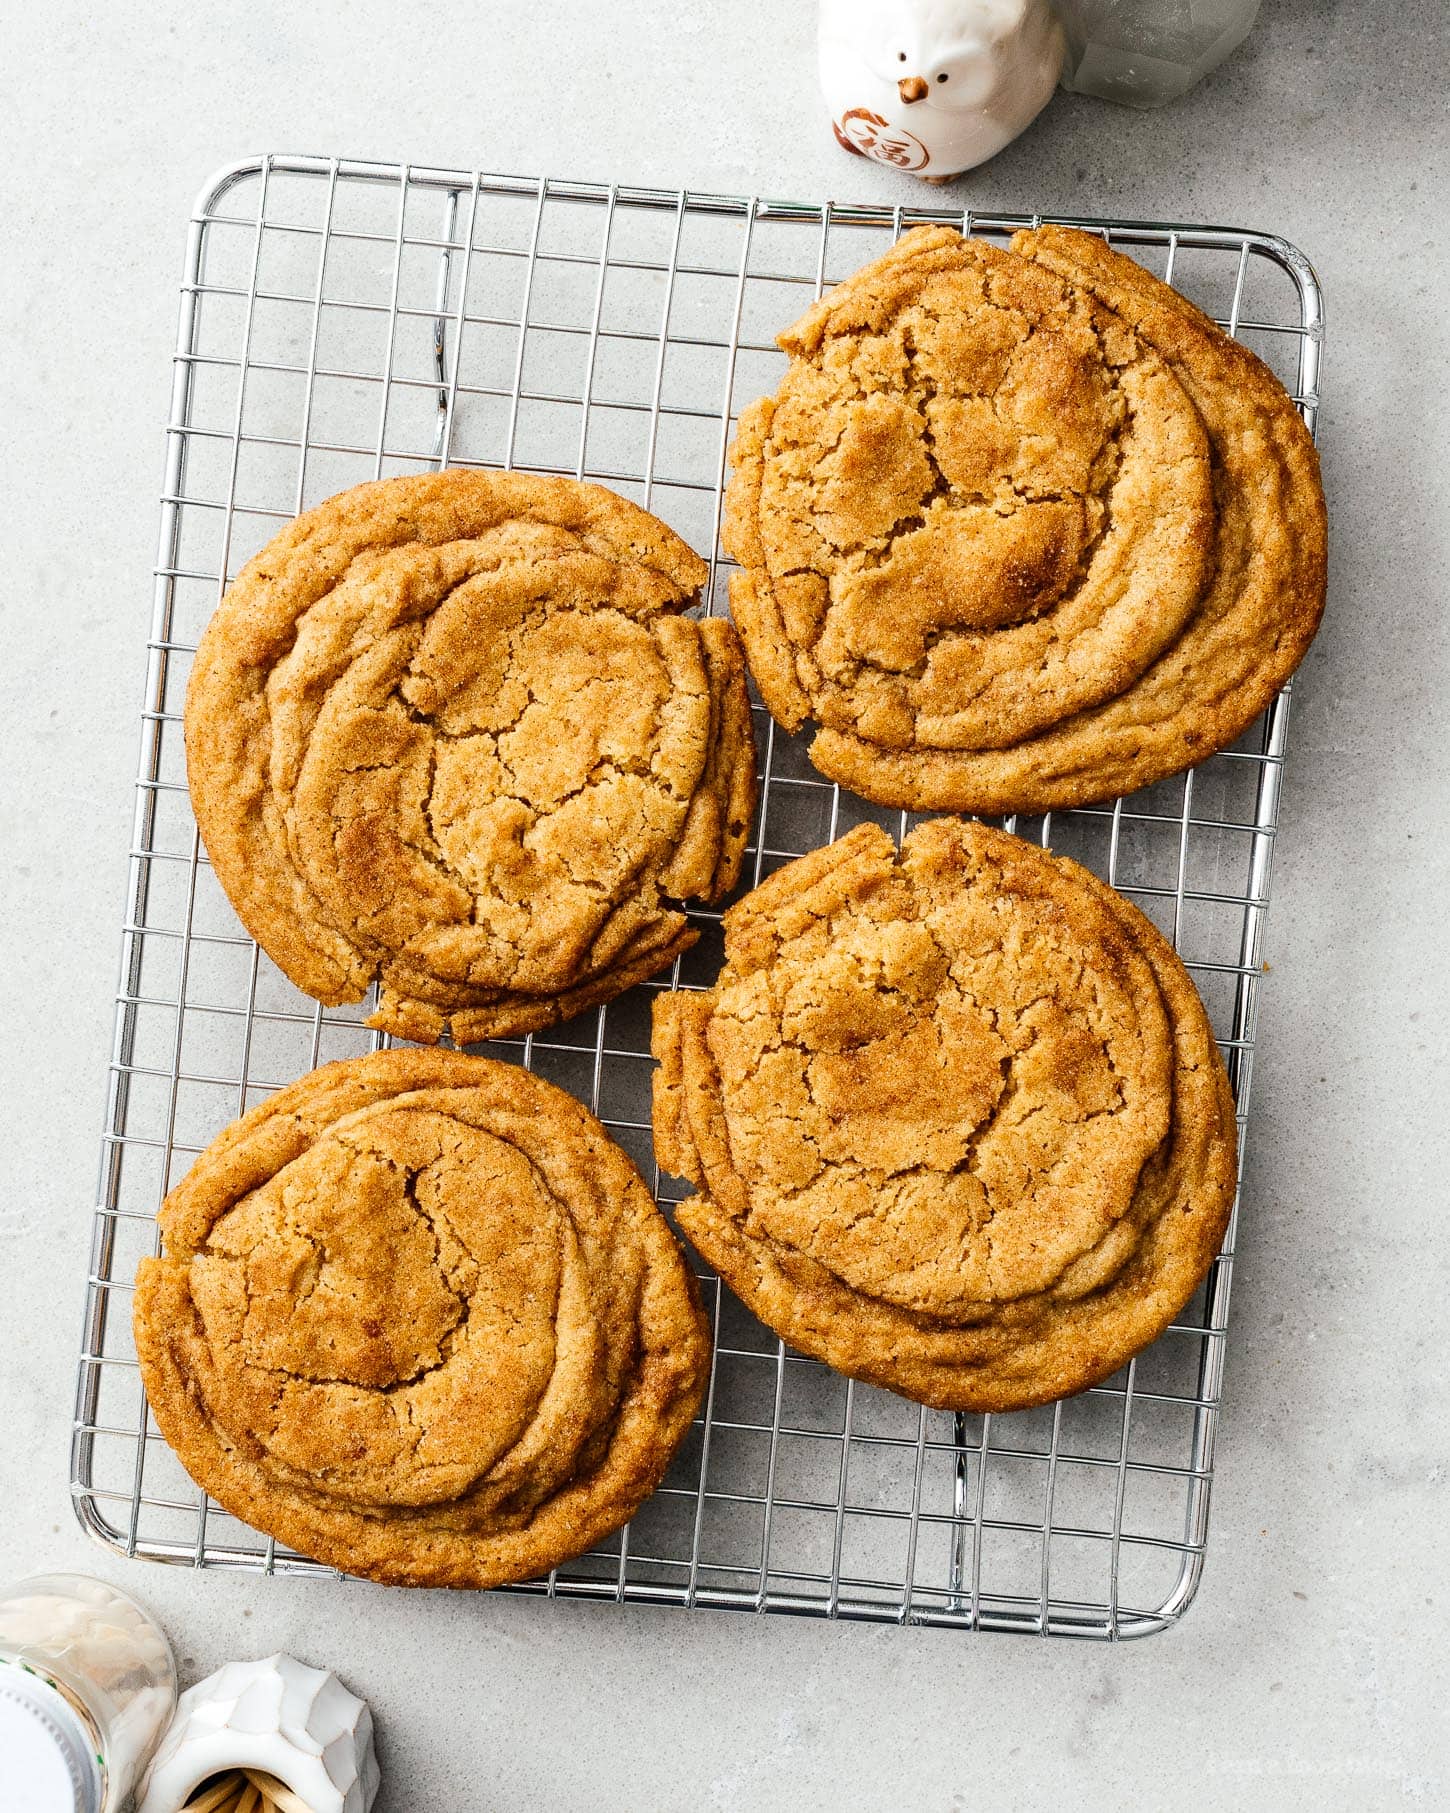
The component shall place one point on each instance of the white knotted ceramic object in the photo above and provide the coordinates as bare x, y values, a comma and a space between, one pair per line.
936, 86
278, 1715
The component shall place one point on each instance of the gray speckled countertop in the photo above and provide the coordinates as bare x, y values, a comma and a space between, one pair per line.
1313, 1669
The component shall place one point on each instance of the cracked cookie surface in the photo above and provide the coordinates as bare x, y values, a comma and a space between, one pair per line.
419, 1318
453, 733
956, 1116
1020, 529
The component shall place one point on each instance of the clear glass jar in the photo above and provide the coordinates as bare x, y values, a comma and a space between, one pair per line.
1147, 52
87, 1686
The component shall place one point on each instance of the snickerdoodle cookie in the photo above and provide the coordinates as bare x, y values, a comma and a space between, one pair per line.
1021, 528
956, 1117
454, 734
419, 1318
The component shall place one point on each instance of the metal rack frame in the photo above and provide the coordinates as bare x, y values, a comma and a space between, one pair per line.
342, 320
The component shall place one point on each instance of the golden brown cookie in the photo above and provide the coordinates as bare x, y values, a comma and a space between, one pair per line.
956, 1117
1020, 529
453, 734
419, 1318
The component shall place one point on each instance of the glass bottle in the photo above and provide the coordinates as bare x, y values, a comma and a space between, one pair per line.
87, 1685
1147, 52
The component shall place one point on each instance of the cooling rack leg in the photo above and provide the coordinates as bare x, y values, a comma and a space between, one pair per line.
961, 1516
440, 321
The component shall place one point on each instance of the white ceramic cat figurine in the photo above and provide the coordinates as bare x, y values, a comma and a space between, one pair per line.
936, 86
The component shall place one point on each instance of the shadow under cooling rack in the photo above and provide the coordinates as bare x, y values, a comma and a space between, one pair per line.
342, 321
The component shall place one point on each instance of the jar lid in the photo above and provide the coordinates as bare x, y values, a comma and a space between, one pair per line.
49, 1766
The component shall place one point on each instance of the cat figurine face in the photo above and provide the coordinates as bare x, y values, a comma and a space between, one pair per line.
956, 49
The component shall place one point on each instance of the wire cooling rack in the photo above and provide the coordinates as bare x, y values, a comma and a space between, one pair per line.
342, 321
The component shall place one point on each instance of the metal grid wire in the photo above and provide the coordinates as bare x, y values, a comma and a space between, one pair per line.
342, 321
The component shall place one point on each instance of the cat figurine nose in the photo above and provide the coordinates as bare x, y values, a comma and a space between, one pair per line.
912, 88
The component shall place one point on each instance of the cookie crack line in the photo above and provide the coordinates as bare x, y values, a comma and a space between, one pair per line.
1009, 1067
923, 389
933, 638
